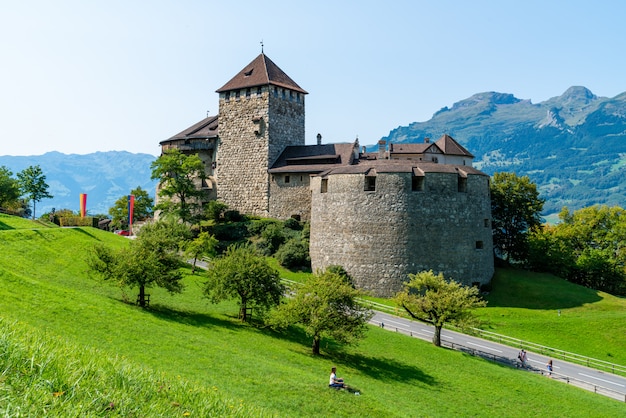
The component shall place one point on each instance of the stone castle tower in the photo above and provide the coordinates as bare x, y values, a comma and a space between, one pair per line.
261, 112
381, 215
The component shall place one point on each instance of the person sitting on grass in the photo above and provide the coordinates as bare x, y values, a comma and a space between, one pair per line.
335, 382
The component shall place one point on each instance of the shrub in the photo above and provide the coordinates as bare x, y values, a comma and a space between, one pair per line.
294, 224
294, 253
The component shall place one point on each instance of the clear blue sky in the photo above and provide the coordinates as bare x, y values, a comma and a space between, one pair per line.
79, 76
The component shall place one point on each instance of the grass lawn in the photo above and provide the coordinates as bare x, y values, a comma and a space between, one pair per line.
590, 323
189, 346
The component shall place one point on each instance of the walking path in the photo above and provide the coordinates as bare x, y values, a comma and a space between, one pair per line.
611, 385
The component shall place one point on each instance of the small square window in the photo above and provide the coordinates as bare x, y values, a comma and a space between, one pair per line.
324, 188
287, 179
370, 184
479, 245
486, 221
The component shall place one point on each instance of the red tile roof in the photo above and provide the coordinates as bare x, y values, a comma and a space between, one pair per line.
450, 147
261, 72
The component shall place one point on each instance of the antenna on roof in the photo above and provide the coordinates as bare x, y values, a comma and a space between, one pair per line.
261, 46
207, 113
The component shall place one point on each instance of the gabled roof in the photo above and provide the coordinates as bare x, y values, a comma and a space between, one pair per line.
205, 129
450, 147
414, 148
261, 72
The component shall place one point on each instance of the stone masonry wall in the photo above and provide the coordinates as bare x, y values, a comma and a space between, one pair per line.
380, 237
289, 199
253, 132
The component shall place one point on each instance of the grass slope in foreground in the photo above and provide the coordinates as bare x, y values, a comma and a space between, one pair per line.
202, 349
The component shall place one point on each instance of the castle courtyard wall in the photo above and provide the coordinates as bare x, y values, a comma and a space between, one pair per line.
290, 199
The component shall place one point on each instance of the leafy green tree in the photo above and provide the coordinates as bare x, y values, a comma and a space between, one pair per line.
151, 260
327, 306
142, 209
515, 211
587, 247
430, 298
204, 245
9, 189
180, 178
242, 274
33, 184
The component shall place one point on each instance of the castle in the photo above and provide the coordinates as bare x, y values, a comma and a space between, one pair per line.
381, 215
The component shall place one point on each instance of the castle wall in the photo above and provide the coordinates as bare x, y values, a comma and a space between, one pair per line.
380, 237
290, 199
254, 129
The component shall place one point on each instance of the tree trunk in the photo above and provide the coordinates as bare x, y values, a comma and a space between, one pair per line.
34, 205
193, 268
142, 296
243, 312
316, 345
437, 336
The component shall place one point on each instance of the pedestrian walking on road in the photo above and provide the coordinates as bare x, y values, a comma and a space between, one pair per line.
549, 367
522, 358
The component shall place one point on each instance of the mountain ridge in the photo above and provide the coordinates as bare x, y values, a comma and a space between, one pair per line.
573, 145
104, 175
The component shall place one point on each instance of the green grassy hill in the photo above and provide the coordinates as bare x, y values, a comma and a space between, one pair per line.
70, 346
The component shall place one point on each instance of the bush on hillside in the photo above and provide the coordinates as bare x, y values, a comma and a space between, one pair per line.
293, 254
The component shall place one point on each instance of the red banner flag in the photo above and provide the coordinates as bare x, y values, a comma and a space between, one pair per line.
131, 209
83, 205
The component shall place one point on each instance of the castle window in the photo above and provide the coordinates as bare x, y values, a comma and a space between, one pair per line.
275, 92
287, 179
300, 178
462, 184
486, 221
237, 94
282, 91
417, 184
291, 95
227, 96
258, 91
324, 188
298, 97
248, 93
435, 160
479, 245
370, 184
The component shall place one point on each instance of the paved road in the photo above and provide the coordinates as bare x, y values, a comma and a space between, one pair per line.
601, 382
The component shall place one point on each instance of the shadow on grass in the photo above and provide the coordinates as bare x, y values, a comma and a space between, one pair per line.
514, 288
383, 369
83, 231
5, 227
195, 319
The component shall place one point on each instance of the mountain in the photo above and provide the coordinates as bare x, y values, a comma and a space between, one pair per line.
572, 146
104, 176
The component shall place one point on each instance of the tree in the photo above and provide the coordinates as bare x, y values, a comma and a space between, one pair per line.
142, 209
9, 189
178, 174
430, 298
327, 306
32, 183
151, 260
515, 211
242, 274
203, 245
587, 247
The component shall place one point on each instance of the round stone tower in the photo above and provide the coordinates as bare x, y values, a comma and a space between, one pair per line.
384, 221
261, 111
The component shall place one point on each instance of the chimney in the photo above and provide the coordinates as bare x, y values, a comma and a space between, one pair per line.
319, 139
381, 149
427, 140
